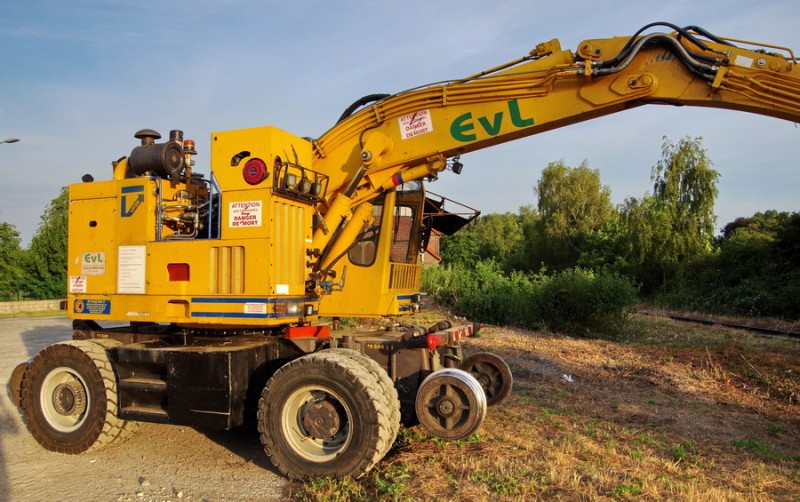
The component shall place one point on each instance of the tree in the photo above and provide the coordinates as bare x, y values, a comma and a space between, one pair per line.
572, 202
676, 223
10, 253
461, 248
497, 236
685, 187
45, 261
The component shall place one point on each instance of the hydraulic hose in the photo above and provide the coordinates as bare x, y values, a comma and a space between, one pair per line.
370, 98
698, 68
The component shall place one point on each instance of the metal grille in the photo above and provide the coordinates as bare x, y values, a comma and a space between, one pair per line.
227, 270
403, 276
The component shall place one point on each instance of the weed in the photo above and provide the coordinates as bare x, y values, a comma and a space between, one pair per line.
390, 480
774, 430
549, 412
684, 452
758, 447
408, 436
498, 483
335, 489
646, 439
627, 490
441, 443
473, 438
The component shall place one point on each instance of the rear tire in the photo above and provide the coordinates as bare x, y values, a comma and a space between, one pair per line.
324, 415
387, 387
69, 398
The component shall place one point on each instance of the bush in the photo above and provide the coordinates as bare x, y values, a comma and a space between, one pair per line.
576, 301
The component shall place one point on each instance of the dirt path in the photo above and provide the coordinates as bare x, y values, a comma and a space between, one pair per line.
159, 463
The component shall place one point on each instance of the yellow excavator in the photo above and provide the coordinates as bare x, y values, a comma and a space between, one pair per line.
221, 282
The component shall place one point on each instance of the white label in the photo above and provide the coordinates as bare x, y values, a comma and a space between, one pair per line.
77, 284
93, 263
255, 308
131, 268
244, 214
415, 124
281, 289
743, 61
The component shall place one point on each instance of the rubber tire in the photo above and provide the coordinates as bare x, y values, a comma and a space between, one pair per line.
98, 425
492, 373
367, 428
392, 401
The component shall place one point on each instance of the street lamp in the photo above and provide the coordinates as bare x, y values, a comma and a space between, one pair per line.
9, 140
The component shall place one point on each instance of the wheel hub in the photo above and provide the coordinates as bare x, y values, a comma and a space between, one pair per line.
69, 399
321, 420
446, 407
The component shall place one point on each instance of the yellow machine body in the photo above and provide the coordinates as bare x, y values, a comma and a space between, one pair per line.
127, 261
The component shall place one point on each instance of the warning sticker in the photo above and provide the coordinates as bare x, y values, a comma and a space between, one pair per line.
255, 308
244, 214
415, 124
77, 284
92, 307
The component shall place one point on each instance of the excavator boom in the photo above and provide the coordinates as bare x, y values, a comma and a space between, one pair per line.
411, 134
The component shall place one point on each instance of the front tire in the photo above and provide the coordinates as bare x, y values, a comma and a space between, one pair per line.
323, 415
69, 398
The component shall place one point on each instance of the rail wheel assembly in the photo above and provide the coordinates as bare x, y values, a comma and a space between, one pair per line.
451, 404
324, 414
69, 397
492, 373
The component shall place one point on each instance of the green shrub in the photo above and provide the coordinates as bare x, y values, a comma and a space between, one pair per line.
575, 301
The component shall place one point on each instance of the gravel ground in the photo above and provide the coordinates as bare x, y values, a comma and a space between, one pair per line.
159, 463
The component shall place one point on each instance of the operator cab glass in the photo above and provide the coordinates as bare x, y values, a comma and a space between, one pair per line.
404, 229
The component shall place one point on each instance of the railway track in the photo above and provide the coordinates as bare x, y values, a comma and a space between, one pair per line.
728, 324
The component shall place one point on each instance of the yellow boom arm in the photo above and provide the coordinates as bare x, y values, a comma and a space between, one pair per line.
412, 134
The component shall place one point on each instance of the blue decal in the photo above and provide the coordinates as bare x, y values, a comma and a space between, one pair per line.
102, 307
126, 211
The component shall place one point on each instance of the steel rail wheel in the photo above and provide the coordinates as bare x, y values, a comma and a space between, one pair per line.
69, 398
322, 415
450, 404
492, 373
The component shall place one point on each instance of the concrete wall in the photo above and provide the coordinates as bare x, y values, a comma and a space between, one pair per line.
29, 306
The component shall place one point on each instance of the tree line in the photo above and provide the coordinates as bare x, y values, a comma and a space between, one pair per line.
664, 242
38, 272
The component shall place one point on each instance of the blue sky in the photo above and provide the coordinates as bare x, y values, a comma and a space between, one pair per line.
80, 77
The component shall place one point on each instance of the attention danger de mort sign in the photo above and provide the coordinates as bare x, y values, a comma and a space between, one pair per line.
244, 214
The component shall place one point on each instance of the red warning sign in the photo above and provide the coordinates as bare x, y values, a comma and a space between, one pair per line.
415, 124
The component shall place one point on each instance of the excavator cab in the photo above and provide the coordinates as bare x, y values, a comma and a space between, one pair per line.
391, 250
381, 270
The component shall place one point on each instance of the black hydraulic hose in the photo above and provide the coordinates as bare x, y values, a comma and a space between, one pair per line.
370, 98
685, 32
697, 68
708, 35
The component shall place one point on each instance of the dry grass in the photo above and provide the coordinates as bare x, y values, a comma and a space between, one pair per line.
674, 411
